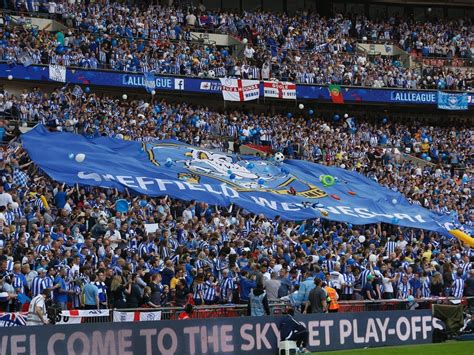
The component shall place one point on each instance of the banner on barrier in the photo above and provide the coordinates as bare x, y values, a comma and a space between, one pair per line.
243, 335
137, 316
452, 101
240, 89
279, 90
77, 316
12, 319
57, 73
86, 313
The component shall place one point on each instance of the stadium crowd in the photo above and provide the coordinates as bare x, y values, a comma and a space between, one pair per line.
303, 48
72, 239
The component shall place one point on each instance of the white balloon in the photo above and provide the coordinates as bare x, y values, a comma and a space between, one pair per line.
346, 115
301, 106
394, 201
361, 239
124, 96
245, 41
10, 77
373, 258
80, 157
153, 92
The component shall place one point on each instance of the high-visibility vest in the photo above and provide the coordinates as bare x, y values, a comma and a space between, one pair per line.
332, 295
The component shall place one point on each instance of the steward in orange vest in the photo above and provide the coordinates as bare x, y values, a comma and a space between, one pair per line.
331, 300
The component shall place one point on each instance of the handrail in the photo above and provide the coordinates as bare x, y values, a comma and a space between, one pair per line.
457, 62
285, 304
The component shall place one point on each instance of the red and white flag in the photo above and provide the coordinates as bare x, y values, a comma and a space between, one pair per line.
77, 316
279, 90
240, 90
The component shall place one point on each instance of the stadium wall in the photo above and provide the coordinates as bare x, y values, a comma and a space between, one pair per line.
244, 335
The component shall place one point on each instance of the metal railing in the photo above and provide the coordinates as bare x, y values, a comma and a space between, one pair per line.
279, 307
461, 63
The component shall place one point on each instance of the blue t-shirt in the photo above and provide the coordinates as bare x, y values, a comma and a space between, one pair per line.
59, 296
60, 199
90, 294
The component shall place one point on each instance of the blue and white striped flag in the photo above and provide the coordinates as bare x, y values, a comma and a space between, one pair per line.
77, 91
25, 59
320, 47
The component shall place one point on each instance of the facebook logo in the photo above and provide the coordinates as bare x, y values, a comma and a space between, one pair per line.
179, 84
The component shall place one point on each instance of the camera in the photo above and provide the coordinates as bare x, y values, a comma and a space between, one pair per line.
53, 312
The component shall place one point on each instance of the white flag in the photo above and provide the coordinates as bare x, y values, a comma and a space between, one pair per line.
240, 90
149, 316
57, 73
124, 316
279, 89
136, 316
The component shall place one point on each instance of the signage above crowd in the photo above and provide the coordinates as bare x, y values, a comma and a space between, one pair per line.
264, 90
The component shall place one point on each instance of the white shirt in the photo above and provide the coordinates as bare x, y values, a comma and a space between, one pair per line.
336, 279
191, 19
52, 7
387, 285
248, 52
5, 199
113, 237
187, 215
33, 318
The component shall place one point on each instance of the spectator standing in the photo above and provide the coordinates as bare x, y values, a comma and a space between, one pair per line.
258, 302
316, 302
91, 294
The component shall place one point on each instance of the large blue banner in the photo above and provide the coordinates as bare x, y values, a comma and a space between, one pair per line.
294, 189
236, 336
451, 101
213, 86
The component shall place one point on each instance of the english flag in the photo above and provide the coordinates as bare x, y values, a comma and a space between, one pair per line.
279, 89
240, 90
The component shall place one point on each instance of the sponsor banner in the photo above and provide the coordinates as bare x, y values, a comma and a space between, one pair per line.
451, 101
86, 313
243, 335
213, 86
57, 73
137, 316
292, 189
279, 90
240, 89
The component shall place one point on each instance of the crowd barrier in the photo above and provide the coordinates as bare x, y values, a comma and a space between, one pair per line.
236, 335
218, 311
